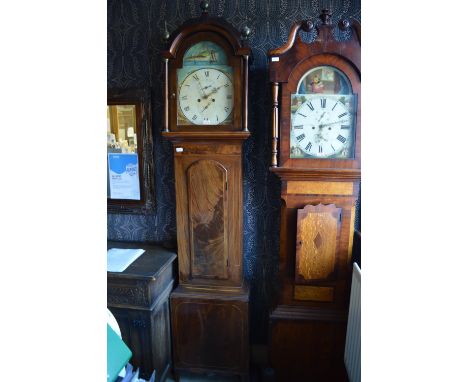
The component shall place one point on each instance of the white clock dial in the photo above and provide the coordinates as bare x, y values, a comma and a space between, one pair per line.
206, 97
322, 126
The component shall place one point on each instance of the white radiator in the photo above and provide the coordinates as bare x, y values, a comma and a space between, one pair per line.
352, 355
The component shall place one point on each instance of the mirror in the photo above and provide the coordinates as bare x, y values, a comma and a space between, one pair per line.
130, 181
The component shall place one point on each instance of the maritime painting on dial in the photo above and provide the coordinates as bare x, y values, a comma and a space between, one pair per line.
205, 86
323, 114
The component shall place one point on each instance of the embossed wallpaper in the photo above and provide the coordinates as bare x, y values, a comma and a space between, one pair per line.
134, 30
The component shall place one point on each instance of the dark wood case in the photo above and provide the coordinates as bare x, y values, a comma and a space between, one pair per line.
211, 331
209, 309
138, 297
308, 321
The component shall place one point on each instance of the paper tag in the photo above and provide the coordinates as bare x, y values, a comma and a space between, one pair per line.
274, 59
179, 149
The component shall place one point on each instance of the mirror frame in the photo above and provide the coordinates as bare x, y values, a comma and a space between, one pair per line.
147, 203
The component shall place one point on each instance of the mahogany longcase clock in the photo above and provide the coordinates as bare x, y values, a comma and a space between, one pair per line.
206, 66
316, 121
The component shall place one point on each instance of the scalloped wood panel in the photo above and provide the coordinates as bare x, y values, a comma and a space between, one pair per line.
316, 245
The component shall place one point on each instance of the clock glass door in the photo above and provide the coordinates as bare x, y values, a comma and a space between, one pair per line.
205, 86
323, 115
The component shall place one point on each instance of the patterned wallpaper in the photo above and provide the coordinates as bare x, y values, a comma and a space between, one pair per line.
134, 43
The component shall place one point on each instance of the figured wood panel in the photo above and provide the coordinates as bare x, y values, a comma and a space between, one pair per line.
207, 183
320, 188
313, 293
210, 334
316, 244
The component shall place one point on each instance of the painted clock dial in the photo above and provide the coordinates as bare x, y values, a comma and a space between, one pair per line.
205, 86
323, 116
206, 97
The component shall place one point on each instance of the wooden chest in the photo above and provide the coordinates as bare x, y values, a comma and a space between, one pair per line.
138, 297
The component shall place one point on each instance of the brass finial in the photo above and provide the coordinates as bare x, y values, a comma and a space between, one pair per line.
307, 25
245, 32
344, 24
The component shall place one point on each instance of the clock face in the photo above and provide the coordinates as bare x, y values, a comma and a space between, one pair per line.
322, 126
205, 87
323, 115
206, 97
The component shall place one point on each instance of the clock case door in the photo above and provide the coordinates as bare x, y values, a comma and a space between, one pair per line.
236, 55
209, 191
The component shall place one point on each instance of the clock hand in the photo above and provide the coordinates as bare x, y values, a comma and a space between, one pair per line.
332, 123
202, 89
206, 107
215, 90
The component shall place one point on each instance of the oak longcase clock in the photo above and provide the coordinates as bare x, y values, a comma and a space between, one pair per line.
316, 154
206, 76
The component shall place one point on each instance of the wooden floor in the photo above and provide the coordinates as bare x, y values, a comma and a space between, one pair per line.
259, 361
258, 370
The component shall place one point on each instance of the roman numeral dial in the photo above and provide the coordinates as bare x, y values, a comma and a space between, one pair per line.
322, 126
206, 97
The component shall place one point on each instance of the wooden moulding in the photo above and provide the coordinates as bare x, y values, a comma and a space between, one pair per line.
332, 174
206, 135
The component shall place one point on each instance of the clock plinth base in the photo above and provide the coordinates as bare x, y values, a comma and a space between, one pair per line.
307, 344
210, 331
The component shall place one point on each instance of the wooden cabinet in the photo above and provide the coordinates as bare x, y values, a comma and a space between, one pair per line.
138, 297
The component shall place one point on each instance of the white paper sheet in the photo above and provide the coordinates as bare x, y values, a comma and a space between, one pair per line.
118, 259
